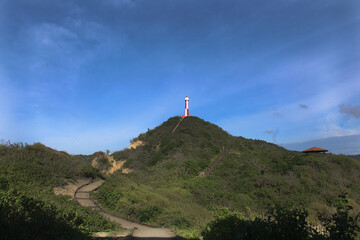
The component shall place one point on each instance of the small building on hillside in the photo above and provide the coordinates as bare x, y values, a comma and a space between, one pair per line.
315, 150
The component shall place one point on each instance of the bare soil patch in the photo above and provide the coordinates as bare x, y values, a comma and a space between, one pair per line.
71, 187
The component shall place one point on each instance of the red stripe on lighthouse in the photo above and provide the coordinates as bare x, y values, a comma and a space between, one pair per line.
186, 107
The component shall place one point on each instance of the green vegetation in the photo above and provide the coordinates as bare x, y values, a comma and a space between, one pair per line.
28, 207
253, 176
199, 180
282, 224
355, 156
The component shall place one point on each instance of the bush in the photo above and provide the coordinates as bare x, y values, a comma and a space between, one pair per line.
340, 225
281, 224
28, 207
23, 217
146, 213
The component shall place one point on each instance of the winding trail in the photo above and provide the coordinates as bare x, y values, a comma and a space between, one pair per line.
141, 231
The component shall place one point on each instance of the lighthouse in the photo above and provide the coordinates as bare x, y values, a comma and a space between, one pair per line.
186, 107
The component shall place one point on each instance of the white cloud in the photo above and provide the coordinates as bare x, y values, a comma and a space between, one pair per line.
53, 36
333, 130
68, 45
321, 119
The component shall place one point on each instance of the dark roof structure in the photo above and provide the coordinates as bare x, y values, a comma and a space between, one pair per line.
315, 150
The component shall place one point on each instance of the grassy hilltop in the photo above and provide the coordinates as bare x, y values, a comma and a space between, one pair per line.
29, 208
183, 178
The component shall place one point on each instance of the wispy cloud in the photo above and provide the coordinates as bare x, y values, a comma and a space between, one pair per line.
66, 45
54, 36
304, 106
334, 130
277, 114
319, 121
349, 109
273, 133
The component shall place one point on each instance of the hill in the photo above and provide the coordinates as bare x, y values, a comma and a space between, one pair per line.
186, 169
355, 156
29, 209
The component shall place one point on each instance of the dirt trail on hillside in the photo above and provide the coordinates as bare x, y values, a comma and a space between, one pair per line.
71, 187
213, 166
82, 195
177, 125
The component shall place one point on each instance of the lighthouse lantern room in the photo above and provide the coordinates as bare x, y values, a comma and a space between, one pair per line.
186, 107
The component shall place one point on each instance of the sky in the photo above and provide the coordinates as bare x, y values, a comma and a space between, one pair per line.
84, 76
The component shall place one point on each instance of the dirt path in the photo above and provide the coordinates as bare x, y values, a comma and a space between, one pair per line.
82, 195
71, 187
177, 125
213, 166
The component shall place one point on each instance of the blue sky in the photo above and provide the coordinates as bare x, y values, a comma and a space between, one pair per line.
83, 76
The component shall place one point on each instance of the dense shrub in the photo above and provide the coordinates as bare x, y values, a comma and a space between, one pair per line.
281, 224
341, 225
146, 213
22, 217
28, 207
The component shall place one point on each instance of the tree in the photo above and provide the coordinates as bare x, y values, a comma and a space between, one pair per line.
341, 225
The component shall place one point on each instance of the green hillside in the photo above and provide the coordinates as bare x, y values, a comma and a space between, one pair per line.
183, 178
29, 208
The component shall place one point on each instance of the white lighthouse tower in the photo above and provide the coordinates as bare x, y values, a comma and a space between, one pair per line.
186, 107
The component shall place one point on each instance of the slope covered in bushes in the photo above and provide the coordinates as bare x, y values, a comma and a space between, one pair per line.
28, 207
179, 176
